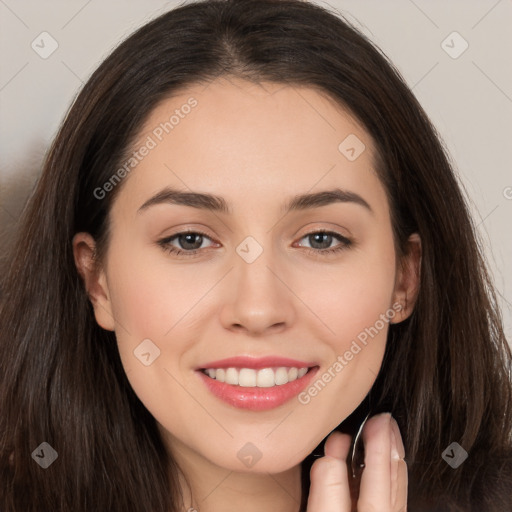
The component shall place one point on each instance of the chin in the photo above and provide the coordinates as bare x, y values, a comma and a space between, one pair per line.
250, 458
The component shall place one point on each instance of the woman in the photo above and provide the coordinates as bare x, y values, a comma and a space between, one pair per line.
259, 369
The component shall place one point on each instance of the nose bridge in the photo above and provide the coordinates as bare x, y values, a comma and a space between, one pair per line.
253, 269
259, 300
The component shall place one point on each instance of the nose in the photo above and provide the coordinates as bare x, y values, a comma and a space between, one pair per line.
259, 300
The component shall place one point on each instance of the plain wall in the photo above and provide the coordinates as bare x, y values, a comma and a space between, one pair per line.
469, 98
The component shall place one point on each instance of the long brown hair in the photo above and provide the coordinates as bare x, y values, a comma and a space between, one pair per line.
446, 370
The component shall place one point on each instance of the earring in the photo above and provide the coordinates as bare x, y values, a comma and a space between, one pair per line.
355, 446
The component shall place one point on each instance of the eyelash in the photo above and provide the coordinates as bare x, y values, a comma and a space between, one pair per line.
345, 243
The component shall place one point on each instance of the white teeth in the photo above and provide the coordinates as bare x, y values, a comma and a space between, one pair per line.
246, 377
282, 376
231, 376
250, 378
265, 378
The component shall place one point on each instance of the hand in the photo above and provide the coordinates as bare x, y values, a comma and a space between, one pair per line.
384, 479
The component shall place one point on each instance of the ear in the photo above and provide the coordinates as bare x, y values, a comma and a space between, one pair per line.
94, 279
408, 279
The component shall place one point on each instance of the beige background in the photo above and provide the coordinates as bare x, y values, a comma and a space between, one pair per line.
469, 98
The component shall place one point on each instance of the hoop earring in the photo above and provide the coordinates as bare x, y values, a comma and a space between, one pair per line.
355, 445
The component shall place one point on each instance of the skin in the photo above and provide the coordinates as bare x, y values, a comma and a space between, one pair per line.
256, 146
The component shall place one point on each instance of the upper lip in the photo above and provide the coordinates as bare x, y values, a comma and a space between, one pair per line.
256, 362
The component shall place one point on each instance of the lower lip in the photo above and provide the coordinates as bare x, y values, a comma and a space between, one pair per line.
254, 398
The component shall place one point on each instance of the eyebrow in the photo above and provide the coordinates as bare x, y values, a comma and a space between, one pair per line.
218, 204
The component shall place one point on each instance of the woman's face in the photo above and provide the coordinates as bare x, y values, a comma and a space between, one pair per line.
254, 279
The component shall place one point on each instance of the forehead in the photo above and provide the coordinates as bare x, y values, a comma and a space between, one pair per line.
232, 137
229, 108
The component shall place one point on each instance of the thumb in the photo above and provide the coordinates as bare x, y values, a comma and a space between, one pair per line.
329, 491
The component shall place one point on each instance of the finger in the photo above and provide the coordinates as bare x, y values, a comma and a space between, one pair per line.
400, 504
337, 445
399, 478
329, 491
375, 490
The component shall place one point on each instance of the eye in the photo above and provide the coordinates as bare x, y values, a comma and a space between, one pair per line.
320, 242
189, 242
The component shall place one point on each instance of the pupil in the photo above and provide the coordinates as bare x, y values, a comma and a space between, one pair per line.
319, 236
188, 237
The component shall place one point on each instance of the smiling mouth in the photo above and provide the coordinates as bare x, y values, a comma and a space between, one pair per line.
257, 389
261, 378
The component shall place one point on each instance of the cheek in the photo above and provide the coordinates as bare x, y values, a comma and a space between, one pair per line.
152, 302
150, 298
352, 297
354, 303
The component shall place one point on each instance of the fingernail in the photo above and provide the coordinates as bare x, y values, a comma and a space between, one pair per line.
394, 466
385, 415
397, 446
394, 448
384, 419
